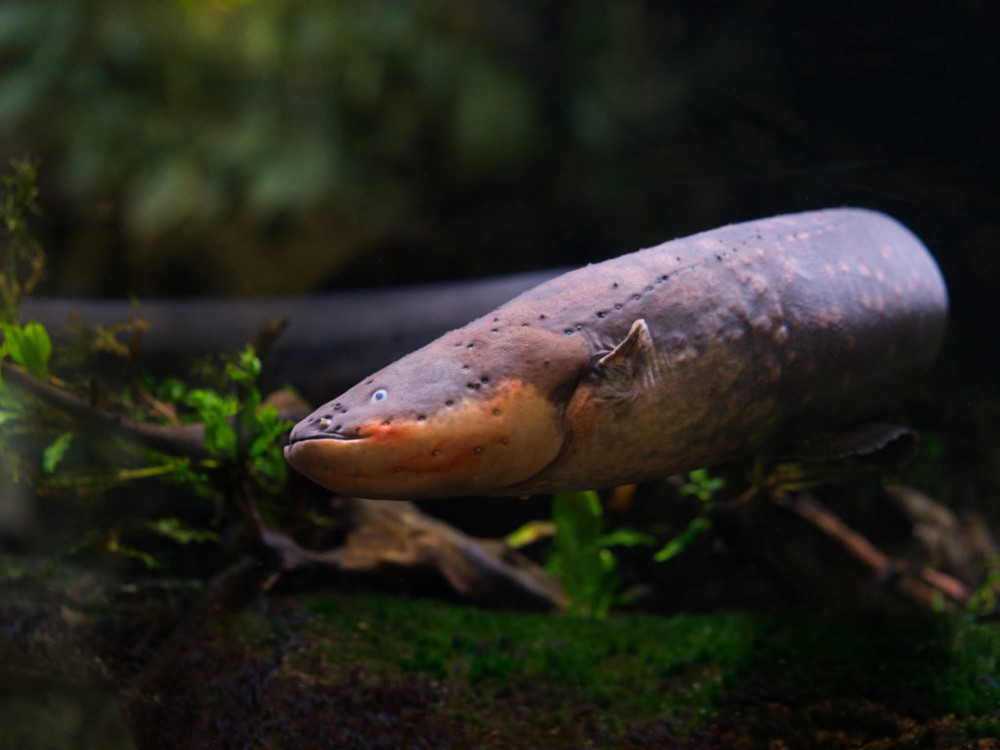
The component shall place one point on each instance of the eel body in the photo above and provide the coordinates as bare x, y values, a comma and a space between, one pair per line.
691, 353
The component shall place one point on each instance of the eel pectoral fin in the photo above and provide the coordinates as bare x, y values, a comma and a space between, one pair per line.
872, 443
630, 367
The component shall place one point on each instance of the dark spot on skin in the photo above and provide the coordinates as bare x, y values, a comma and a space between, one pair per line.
665, 277
504, 440
435, 452
449, 403
421, 417
469, 346
568, 331
546, 363
579, 326
615, 285
542, 316
496, 320
496, 412
649, 288
718, 258
357, 430
484, 378
678, 258
618, 307
494, 330
525, 325
473, 386
465, 367
636, 297
386, 423
478, 449
601, 314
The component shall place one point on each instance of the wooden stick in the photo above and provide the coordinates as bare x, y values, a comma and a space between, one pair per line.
924, 586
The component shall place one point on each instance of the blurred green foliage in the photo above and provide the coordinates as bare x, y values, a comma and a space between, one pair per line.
282, 136
194, 107
187, 113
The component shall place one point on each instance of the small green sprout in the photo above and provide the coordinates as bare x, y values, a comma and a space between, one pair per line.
703, 487
582, 558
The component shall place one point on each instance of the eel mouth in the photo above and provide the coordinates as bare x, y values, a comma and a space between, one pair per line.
315, 427
476, 446
294, 439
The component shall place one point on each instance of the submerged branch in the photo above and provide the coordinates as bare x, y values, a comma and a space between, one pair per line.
182, 439
925, 586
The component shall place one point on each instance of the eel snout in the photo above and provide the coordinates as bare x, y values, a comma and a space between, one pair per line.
316, 427
479, 443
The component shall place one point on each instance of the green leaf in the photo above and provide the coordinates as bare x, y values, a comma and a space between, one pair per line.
30, 346
530, 533
578, 517
134, 554
183, 474
624, 538
178, 531
679, 543
172, 390
266, 431
55, 451
702, 486
215, 409
581, 559
245, 370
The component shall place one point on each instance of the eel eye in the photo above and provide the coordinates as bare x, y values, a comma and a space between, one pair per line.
380, 395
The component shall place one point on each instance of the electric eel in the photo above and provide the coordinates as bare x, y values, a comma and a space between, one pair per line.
692, 353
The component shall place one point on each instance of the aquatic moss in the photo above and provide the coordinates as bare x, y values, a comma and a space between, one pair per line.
688, 667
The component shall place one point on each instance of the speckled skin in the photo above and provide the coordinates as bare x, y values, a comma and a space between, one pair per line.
754, 333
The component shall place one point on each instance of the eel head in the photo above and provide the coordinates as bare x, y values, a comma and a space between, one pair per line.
470, 413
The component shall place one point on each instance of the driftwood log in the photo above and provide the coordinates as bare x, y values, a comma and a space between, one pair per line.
388, 541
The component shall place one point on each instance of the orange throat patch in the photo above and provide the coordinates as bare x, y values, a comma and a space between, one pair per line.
478, 445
